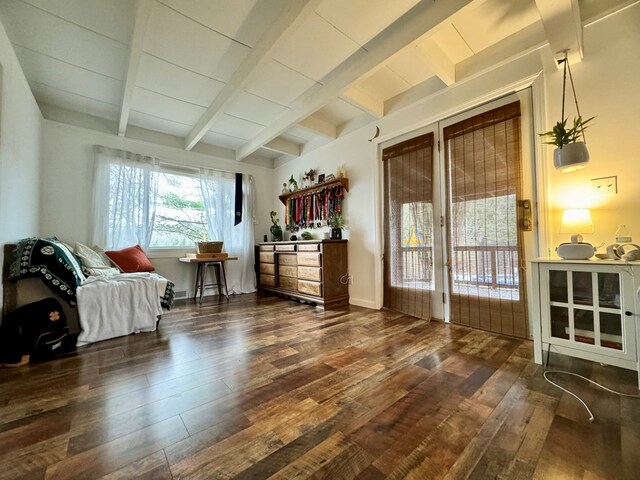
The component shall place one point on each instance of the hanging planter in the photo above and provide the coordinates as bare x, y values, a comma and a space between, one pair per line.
570, 153
570, 157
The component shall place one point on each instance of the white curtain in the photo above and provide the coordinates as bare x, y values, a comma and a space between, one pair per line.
218, 195
125, 193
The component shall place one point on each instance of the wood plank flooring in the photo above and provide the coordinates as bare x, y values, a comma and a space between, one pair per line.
262, 387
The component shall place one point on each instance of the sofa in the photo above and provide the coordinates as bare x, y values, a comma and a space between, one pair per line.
99, 301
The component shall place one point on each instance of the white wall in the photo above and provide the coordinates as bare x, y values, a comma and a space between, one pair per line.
67, 172
608, 86
20, 123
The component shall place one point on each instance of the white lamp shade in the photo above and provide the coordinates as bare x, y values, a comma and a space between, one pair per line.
576, 220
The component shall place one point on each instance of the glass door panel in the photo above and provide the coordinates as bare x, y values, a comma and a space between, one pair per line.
584, 325
611, 330
558, 290
582, 288
609, 290
560, 322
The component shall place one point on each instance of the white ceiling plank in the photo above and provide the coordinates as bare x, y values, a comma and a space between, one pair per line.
426, 16
364, 100
385, 83
563, 27
437, 61
281, 145
319, 127
49, 35
295, 13
137, 40
113, 19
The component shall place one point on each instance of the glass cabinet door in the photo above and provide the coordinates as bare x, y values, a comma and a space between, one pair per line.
585, 309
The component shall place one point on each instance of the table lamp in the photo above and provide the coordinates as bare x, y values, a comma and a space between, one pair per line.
576, 221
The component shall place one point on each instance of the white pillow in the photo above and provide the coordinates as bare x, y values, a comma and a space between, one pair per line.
90, 258
101, 272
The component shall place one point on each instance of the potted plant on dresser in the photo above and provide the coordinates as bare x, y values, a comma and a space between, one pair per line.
336, 223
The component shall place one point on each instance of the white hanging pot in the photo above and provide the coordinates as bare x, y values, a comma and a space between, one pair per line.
570, 157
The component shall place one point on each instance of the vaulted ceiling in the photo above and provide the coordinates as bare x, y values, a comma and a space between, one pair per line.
271, 77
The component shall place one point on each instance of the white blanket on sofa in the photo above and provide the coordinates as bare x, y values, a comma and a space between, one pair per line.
118, 305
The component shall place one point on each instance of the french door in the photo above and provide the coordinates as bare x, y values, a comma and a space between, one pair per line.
454, 245
484, 239
408, 226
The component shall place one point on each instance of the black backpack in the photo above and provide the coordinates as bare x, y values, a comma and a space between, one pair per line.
38, 329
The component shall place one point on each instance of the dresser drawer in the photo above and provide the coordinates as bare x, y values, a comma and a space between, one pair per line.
309, 247
287, 259
310, 259
310, 273
269, 268
267, 257
290, 283
288, 271
286, 248
266, 248
267, 280
311, 288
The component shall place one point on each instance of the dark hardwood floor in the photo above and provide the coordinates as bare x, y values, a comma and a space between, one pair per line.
262, 387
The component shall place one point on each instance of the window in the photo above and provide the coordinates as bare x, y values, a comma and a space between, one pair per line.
180, 218
136, 201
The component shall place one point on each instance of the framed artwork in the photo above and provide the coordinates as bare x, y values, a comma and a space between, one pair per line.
321, 178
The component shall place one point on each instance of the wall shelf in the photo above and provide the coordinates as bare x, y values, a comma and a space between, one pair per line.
316, 188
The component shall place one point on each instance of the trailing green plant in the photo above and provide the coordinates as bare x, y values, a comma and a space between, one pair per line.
275, 229
561, 135
335, 220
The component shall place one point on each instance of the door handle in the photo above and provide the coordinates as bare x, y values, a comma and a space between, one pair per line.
527, 222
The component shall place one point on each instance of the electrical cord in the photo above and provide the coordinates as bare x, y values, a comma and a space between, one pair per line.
591, 417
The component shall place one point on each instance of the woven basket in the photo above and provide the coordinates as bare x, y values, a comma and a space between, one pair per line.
209, 247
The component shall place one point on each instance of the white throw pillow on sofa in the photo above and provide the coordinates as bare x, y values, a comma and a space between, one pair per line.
90, 258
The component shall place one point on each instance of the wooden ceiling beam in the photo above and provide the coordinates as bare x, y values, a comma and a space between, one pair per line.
294, 14
143, 9
280, 145
319, 127
364, 100
563, 27
437, 60
426, 16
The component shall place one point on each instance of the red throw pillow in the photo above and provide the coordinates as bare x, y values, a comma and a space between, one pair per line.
131, 259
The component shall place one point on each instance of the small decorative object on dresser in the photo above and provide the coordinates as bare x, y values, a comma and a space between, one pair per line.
336, 222
276, 230
321, 178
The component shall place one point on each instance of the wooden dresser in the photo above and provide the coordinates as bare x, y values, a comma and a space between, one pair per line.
313, 271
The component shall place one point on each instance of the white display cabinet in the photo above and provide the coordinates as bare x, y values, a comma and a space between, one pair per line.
586, 309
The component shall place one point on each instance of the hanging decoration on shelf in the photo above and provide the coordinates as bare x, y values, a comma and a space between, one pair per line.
570, 153
313, 209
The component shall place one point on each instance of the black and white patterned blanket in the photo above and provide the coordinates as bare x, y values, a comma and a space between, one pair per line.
52, 262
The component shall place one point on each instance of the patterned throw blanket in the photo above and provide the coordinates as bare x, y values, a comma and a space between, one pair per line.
59, 269
52, 262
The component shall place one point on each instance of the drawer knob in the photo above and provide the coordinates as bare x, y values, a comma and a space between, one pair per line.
628, 313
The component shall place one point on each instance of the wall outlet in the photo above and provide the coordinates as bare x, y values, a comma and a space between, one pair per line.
605, 185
